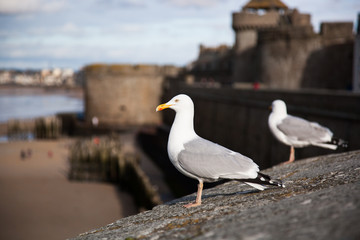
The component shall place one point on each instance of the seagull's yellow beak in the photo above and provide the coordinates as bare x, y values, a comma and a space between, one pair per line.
162, 107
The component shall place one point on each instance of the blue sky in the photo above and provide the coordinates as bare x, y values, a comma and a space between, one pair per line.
38, 34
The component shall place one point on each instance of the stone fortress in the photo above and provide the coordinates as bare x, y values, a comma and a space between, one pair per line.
278, 48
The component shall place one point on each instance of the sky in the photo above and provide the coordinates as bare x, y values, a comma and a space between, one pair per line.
37, 34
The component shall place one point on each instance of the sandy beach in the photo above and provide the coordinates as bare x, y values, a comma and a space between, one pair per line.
39, 202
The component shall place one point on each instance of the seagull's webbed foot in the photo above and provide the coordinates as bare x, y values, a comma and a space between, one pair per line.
198, 196
287, 162
195, 204
292, 156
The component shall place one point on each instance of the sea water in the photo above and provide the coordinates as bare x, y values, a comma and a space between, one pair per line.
33, 106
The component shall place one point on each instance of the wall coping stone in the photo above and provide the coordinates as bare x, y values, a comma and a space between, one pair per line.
321, 201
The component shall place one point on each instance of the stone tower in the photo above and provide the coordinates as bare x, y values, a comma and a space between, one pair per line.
255, 15
124, 95
272, 44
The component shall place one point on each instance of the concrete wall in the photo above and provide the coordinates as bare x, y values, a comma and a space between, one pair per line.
124, 95
238, 119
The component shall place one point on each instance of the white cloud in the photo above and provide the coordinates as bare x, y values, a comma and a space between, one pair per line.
130, 27
26, 6
134, 3
17, 53
121, 3
71, 29
193, 3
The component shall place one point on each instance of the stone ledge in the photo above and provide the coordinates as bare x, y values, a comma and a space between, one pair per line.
321, 201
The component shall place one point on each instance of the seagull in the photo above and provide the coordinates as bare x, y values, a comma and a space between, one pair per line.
203, 160
298, 132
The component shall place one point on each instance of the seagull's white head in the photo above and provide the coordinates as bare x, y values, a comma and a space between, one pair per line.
178, 103
279, 107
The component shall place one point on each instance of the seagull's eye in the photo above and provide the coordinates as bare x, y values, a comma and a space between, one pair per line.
176, 100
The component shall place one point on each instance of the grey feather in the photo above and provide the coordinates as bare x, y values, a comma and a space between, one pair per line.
303, 130
211, 161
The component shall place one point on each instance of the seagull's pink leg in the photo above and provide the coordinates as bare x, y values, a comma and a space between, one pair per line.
292, 156
198, 196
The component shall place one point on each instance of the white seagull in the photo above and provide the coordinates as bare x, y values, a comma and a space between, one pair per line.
203, 160
298, 132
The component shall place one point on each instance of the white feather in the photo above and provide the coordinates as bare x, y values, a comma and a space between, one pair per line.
257, 186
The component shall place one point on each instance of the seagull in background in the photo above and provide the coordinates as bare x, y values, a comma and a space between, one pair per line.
203, 160
298, 132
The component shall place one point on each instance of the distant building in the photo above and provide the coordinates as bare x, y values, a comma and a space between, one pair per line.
5, 77
44, 77
278, 48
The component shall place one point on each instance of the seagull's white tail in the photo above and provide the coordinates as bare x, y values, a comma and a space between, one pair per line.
333, 144
257, 186
325, 145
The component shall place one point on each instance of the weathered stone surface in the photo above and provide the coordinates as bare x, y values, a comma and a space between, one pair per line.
321, 201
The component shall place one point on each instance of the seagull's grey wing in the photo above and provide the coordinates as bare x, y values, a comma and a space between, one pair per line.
211, 161
303, 130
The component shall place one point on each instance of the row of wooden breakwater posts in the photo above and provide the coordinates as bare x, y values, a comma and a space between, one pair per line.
102, 159
40, 128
